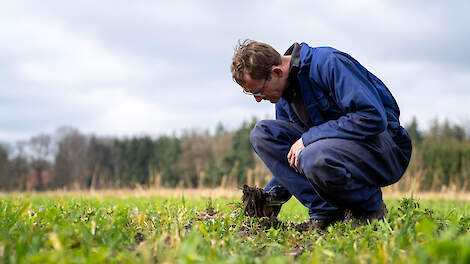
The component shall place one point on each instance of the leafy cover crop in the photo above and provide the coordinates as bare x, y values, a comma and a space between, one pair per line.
72, 229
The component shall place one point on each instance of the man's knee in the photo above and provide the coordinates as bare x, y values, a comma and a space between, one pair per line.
314, 156
259, 133
320, 165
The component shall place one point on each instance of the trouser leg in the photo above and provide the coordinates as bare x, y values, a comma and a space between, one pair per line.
271, 140
349, 173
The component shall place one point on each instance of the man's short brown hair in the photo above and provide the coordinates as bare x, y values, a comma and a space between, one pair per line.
254, 58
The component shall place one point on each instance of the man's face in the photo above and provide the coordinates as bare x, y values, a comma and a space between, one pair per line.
271, 91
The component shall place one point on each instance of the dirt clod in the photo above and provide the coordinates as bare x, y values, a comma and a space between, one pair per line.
302, 227
139, 237
266, 223
258, 202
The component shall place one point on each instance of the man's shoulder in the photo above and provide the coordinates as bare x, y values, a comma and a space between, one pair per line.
319, 54
319, 49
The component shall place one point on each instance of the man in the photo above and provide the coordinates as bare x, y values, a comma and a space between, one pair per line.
336, 139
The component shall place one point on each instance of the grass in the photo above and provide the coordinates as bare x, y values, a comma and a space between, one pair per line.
36, 228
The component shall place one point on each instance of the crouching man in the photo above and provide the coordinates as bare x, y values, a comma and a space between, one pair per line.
336, 139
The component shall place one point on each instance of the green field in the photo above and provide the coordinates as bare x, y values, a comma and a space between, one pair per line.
80, 229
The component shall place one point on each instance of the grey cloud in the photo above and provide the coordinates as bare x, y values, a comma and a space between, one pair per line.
178, 54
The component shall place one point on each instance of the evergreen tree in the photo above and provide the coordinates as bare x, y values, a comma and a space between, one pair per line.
414, 132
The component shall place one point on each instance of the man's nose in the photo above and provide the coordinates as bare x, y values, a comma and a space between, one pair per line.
258, 98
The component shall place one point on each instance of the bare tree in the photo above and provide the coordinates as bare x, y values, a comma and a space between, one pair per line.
14, 167
40, 150
5, 180
71, 160
19, 165
195, 156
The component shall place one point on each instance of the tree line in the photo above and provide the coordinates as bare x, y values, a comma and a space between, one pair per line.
69, 159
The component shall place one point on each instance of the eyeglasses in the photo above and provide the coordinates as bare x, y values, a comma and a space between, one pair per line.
260, 93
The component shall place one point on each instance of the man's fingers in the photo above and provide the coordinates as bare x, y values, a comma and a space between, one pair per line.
289, 156
294, 162
297, 158
293, 153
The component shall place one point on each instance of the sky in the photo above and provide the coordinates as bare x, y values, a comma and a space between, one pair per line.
130, 68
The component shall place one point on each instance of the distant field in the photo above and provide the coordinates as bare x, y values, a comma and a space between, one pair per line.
143, 227
388, 192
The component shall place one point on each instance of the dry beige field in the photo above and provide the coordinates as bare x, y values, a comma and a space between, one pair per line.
231, 193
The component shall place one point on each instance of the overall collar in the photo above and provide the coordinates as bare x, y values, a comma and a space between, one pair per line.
293, 86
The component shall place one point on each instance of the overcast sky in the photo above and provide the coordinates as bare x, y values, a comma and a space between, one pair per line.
151, 67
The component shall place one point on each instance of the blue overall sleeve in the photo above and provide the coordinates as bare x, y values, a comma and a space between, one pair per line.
347, 83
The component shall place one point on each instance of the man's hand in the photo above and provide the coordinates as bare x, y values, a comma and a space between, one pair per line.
293, 154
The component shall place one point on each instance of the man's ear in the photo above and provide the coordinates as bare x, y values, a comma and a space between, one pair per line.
278, 71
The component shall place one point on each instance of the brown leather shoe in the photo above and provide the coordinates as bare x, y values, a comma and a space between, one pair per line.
359, 217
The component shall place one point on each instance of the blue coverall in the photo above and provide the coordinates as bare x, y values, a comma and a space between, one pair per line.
354, 144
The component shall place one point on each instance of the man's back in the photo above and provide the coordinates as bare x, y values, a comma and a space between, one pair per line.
333, 85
